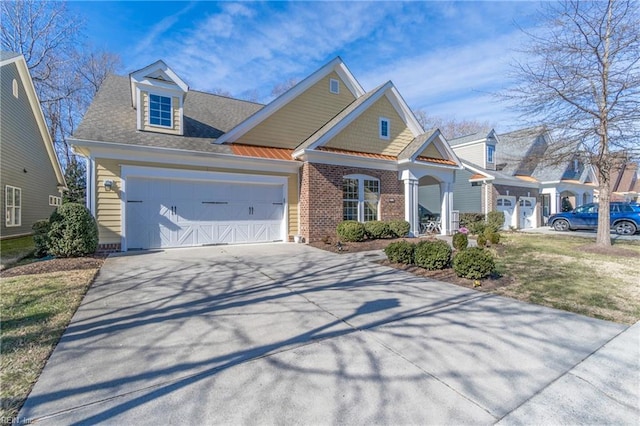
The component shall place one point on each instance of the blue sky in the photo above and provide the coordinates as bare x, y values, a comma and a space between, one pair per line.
445, 57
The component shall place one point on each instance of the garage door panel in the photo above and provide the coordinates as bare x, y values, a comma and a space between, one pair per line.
174, 213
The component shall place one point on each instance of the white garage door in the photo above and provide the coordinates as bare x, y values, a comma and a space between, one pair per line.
527, 206
506, 204
163, 213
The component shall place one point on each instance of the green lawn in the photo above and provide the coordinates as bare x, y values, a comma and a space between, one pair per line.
35, 311
15, 248
557, 272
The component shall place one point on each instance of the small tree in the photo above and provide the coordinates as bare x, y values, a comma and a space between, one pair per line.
75, 177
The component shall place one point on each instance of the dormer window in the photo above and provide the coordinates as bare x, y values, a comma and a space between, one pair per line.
384, 128
160, 111
491, 151
334, 86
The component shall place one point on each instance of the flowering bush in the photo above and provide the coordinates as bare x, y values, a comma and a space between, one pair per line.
463, 230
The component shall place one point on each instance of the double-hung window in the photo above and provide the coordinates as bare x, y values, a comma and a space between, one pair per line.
384, 125
13, 205
360, 197
160, 110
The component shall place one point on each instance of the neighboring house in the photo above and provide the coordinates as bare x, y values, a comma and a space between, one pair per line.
170, 167
625, 181
31, 177
508, 173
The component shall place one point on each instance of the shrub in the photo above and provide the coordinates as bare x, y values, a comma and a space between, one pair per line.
481, 241
475, 263
376, 229
432, 254
400, 252
460, 241
495, 221
41, 237
491, 236
73, 231
350, 231
474, 222
399, 228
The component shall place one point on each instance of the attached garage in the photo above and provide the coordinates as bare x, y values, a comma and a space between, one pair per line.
176, 208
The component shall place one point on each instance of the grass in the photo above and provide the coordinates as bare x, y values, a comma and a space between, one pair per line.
555, 272
35, 312
14, 249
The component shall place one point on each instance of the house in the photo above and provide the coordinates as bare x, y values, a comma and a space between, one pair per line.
624, 181
170, 167
31, 178
508, 173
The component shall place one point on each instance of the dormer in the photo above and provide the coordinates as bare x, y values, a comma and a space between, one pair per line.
158, 95
478, 148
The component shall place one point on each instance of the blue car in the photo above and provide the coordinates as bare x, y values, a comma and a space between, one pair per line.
625, 218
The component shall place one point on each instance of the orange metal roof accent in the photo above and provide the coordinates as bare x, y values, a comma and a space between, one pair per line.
262, 152
527, 178
436, 160
478, 176
360, 154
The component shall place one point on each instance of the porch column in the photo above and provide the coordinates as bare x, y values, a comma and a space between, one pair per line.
411, 202
446, 195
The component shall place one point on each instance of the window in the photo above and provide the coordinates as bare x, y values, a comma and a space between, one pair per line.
160, 110
360, 195
491, 150
13, 203
54, 201
334, 86
15, 88
384, 128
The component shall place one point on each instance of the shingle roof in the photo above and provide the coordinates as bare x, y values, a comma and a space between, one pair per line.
4, 55
481, 135
111, 118
415, 145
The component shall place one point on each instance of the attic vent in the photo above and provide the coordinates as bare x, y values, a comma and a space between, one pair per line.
334, 86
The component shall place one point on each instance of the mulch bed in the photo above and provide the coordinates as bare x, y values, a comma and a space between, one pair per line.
54, 265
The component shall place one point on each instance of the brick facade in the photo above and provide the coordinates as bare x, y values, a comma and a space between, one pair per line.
321, 197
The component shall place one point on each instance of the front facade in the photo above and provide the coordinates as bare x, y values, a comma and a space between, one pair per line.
508, 173
175, 167
31, 181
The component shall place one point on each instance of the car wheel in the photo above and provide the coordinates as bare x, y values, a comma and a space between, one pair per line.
625, 228
561, 225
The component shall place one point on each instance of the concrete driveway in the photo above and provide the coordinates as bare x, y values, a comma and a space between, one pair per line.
288, 334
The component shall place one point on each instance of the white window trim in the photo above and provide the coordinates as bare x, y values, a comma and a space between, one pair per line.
333, 81
380, 121
361, 198
55, 200
12, 215
16, 91
171, 126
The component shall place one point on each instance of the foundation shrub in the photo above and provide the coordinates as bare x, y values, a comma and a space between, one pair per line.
432, 254
73, 231
495, 221
474, 263
41, 237
399, 228
460, 241
474, 222
350, 231
376, 229
400, 252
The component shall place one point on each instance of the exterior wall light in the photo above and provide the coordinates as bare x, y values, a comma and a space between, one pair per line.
108, 185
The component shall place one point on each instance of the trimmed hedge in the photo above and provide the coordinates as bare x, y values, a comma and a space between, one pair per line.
351, 231
460, 241
376, 229
399, 228
73, 231
432, 254
400, 252
41, 237
475, 263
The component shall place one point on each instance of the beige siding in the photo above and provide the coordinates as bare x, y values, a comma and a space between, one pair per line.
363, 134
472, 153
432, 151
293, 123
24, 162
175, 103
108, 203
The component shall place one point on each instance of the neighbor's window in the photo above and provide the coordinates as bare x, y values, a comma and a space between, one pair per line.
334, 86
54, 201
491, 150
160, 110
360, 196
13, 203
384, 128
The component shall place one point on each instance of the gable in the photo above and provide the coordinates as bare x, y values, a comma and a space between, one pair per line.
362, 134
294, 122
431, 151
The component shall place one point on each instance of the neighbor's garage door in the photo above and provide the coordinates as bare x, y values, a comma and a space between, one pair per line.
163, 213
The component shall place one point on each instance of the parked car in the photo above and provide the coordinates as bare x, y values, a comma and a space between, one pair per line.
625, 218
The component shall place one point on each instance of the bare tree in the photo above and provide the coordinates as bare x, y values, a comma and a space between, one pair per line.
581, 78
450, 127
280, 88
